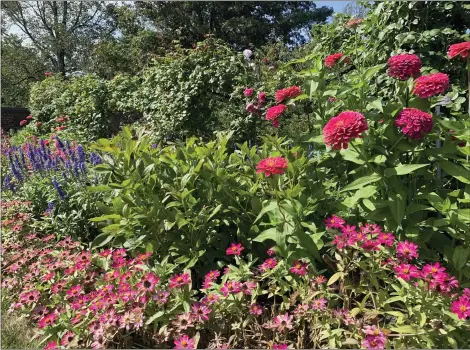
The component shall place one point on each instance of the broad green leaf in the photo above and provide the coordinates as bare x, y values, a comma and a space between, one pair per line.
455, 170
361, 182
351, 156
106, 217
376, 104
460, 256
365, 192
272, 205
154, 318
270, 233
403, 169
397, 205
404, 329
334, 278
102, 240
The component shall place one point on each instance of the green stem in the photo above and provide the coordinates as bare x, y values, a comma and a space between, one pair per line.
396, 143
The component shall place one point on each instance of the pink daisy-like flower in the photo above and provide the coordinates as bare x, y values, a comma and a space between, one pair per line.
234, 249
212, 275
51, 345
282, 322
334, 222
320, 279
460, 49
268, 264
270, 252
386, 238
231, 287
200, 312
178, 281
461, 308
210, 299
148, 282
406, 271
248, 287
332, 60
288, 93
432, 270
299, 268
67, 338
183, 321
319, 304
184, 342
256, 309
74, 291
407, 250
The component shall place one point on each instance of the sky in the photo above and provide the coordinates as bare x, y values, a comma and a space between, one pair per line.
338, 6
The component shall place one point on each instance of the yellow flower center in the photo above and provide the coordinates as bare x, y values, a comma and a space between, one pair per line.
463, 308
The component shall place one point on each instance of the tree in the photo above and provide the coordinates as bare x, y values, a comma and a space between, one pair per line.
62, 31
21, 66
238, 23
357, 9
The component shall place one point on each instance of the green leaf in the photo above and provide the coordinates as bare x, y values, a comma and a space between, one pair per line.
460, 257
404, 329
272, 205
101, 240
370, 72
334, 278
106, 217
403, 169
376, 104
155, 317
455, 170
359, 183
397, 205
270, 233
351, 156
365, 192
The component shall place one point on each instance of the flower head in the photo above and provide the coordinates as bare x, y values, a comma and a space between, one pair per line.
353, 23
460, 49
183, 321
406, 271
430, 85
407, 250
268, 264
256, 309
334, 222
404, 66
414, 123
234, 249
288, 93
282, 322
272, 166
341, 129
67, 338
461, 307
332, 60
178, 281
200, 312
184, 342
299, 268
274, 112
248, 92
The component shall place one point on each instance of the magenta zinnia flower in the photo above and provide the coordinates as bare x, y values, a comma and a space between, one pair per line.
148, 282
460, 49
256, 309
248, 92
404, 66
461, 307
334, 221
272, 166
343, 128
200, 312
234, 249
179, 280
332, 60
406, 271
288, 93
414, 123
268, 264
386, 238
231, 287
407, 250
430, 85
184, 342
282, 322
299, 268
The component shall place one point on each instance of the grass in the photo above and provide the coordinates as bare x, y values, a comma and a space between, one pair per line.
15, 331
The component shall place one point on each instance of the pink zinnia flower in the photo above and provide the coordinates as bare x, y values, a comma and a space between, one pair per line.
261, 99
270, 252
178, 281
461, 307
320, 279
370, 245
74, 291
407, 250
288, 93
148, 282
404, 66
184, 342
386, 238
334, 222
183, 321
248, 92
274, 112
430, 85
406, 271
212, 275
210, 299
374, 342
231, 287
319, 304
272, 166
23, 122
248, 287
234, 249
51, 345
282, 322
460, 49
414, 123
268, 264
332, 60
343, 128
432, 270
67, 338
299, 268
256, 309
200, 312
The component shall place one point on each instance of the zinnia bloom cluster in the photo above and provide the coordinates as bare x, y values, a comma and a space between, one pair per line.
414, 123
274, 113
341, 129
404, 66
272, 166
430, 85
287, 93
460, 49
332, 60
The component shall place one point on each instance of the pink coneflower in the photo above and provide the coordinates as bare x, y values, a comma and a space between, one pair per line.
67, 338
406, 271
210, 299
319, 304
184, 342
334, 222
234, 249
282, 322
299, 268
183, 321
256, 309
178, 281
407, 250
231, 287
200, 312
